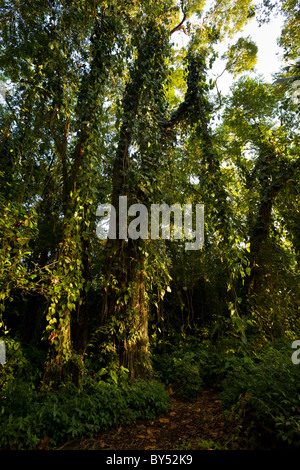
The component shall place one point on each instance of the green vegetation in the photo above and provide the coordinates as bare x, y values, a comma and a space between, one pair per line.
30, 413
101, 100
258, 386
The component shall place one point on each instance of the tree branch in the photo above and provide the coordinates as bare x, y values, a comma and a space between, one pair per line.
213, 12
181, 25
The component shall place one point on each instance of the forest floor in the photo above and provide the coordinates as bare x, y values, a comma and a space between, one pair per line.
200, 425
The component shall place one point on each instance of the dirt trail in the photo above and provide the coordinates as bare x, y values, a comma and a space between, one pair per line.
185, 426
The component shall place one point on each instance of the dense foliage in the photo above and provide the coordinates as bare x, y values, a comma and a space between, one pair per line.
101, 100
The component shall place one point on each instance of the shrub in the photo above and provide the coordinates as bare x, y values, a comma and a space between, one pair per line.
181, 372
28, 415
22, 364
270, 385
16, 362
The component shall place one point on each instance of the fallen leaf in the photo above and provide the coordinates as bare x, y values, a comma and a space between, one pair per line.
163, 420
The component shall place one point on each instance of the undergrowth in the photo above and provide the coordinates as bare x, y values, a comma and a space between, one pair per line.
29, 414
257, 382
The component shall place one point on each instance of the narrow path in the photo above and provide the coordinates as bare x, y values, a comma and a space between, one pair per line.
186, 426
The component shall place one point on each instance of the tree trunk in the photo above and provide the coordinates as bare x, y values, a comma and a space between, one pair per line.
271, 185
125, 307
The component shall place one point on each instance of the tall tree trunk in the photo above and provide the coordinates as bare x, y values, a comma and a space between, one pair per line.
76, 187
126, 307
271, 183
125, 300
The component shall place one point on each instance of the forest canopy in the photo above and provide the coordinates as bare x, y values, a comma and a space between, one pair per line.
100, 101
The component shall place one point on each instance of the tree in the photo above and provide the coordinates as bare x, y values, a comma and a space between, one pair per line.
265, 152
103, 105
